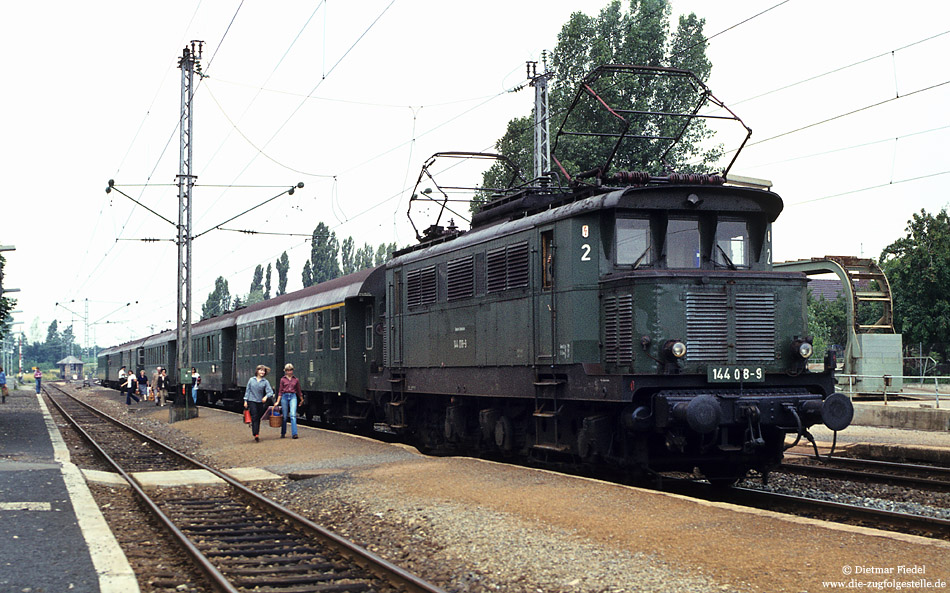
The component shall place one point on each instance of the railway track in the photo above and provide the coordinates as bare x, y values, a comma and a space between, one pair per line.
805, 506
869, 470
239, 539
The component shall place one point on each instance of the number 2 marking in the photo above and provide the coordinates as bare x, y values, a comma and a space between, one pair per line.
586, 255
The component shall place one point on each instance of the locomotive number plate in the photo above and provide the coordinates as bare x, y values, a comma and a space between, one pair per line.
735, 374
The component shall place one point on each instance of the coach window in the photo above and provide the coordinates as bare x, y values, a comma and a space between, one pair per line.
318, 339
368, 322
270, 337
732, 244
634, 242
289, 339
335, 328
682, 244
304, 332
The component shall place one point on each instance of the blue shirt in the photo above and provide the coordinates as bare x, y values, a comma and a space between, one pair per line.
257, 390
3, 378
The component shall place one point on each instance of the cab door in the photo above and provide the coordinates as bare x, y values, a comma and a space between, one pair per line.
545, 305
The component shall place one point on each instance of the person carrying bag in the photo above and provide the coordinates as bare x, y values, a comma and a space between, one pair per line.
258, 389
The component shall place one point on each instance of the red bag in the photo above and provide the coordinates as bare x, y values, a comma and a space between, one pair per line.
247, 416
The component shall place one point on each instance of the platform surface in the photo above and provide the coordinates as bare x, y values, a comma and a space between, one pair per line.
47, 514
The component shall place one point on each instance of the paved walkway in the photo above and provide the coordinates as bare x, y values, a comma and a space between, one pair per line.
52, 536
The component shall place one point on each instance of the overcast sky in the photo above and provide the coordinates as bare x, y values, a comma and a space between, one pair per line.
92, 93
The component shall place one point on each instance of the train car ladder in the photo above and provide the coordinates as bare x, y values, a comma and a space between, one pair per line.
547, 388
396, 412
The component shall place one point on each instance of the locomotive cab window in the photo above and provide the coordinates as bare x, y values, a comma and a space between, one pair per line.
634, 242
683, 249
731, 249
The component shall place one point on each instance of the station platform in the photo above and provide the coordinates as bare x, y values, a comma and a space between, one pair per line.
48, 518
910, 414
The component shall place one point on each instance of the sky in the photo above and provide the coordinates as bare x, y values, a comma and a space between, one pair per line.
847, 99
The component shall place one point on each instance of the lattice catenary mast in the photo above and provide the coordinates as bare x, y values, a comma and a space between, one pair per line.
188, 62
542, 138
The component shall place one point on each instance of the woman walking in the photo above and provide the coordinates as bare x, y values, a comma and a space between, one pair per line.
38, 375
290, 396
257, 390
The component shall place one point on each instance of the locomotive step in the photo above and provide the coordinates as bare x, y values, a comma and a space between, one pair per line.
552, 447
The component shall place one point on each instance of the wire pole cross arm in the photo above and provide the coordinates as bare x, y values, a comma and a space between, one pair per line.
112, 186
289, 191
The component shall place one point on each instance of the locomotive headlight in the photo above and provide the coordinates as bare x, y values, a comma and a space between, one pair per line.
803, 347
674, 349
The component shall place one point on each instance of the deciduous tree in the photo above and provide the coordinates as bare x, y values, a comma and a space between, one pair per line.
324, 255
283, 266
219, 299
267, 283
918, 269
639, 36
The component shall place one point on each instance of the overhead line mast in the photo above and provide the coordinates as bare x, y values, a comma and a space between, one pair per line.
542, 136
188, 63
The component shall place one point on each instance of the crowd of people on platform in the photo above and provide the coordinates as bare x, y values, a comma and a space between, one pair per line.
134, 386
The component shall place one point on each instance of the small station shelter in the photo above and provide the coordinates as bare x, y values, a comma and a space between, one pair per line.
70, 368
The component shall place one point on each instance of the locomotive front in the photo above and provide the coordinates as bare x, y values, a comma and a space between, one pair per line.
711, 342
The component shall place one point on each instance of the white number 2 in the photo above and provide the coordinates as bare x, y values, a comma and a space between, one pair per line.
586, 255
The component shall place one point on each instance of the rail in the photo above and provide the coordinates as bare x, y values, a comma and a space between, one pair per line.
919, 386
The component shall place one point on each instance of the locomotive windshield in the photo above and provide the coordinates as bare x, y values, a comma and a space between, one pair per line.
732, 244
634, 243
681, 246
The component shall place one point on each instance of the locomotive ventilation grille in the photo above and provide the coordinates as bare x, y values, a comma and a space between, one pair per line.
618, 329
708, 327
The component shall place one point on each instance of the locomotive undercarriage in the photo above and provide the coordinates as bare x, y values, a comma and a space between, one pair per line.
723, 434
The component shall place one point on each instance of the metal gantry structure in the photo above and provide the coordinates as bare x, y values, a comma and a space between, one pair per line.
189, 63
542, 136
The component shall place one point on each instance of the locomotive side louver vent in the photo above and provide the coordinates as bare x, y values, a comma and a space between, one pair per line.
460, 278
518, 265
421, 287
618, 329
495, 269
507, 267
707, 326
755, 327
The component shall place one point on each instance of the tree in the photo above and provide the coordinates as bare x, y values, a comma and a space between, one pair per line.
324, 252
257, 283
918, 269
6, 305
640, 36
364, 257
68, 341
219, 299
267, 283
383, 253
53, 347
283, 266
827, 322
347, 257
307, 275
